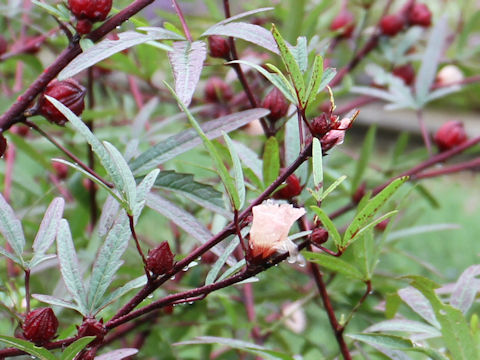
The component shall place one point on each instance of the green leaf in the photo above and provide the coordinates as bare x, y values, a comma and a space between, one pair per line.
333, 186
404, 325
334, 264
383, 340
187, 140
370, 226
52, 300
215, 270
47, 230
187, 62
292, 66
315, 80
107, 263
122, 176
119, 292
142, 192
28, 347
300, 53
317, 168
365, 154
69, 268
329, 225
370, 209
271, 161
466, 289
237, 172
11, 229
74, 348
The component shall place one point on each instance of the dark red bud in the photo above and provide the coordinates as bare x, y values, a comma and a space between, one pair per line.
420, 15
168, 310
344, 23
3, 145
19, 129
92, 327
219, 47
359, 193
392, 24
382, 225
292, 188
84, 26
450, 134
60, 169
40, 325
321, 125
160, 259
3, 45
93, 10
405, 72
319, 236
276, 103
217, 90
69, 92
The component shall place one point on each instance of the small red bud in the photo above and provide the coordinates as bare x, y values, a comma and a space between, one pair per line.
382, 225
344, 23
61, 170
69, 92
321, 125
405, 72
3, 45
217, 90
84, 26
40, 325
219, 47
160, 259
92, 327
420, 15
319, 236
20, 129
168, 310
392, 24
450, 134
292, 188
276, 103
93, 10
3, 145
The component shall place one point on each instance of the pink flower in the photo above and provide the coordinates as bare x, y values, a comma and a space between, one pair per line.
270, 227
337, 135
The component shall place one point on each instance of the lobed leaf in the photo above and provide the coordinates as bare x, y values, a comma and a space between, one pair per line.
52, 300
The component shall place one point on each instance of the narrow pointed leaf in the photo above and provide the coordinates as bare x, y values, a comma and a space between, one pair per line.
315, 80
237, 172
404, 325
142, 191
52, 300
119, 292
118, 354
74, 348
28, 347
187, 62
11, 256
300, 53
11, 229
317, 164
419, 303
466, 289
271, 161
215, 270
334, 264
328, 224
365, 153
110, 212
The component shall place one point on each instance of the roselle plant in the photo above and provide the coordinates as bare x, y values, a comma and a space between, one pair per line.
183, 191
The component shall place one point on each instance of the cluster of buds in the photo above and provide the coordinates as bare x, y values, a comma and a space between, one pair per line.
89, 11
415, 14
40, 325
69, 92
160, 260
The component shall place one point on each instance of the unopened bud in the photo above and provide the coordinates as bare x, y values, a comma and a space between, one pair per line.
420, 15
321, 125
217, 90
276, 103
344, 23
92, 327
319, 236
448, 75
219, 47
392, 24
405, 72
3, 145
60, 169
450, 135
160, 259
40, 325
93, 10
290, 190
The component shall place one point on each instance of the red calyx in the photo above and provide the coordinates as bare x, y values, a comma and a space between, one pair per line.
93, 10
217, 90
92, 327
276, 103
40, 325
319, 236
219, 47
84, 26
3, 45
392, 24
405, 72
60, 169
450, 135
160, 259
69, 92
420, 15
3, 145
344, 23
292, 188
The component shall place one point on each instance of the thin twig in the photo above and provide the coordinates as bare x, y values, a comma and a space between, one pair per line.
182, 20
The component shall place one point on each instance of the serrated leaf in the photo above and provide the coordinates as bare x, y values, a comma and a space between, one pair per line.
431, 57
365, 153
69, 268
466, 289
271, 161
47, 230
107, 263
119, 292
370, 209
52, 300
107, 47
28, 347
187, 62
334, 264
74, 348
245, 31
328, 224
122, 176
187, 140
11, 229
118, 354
237, 172
291, 65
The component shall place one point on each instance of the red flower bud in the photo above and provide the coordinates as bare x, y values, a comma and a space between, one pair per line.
60, 169
405, 72
3, 45
92, 327
84, 26
319, 236
160, 259
292, 188
69, 92
219, 47
420, 15
217, 90
40, 325
93, 10
3, 145
276, 103
450, 134
321, 125
344, 23
392, 24
382, 225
